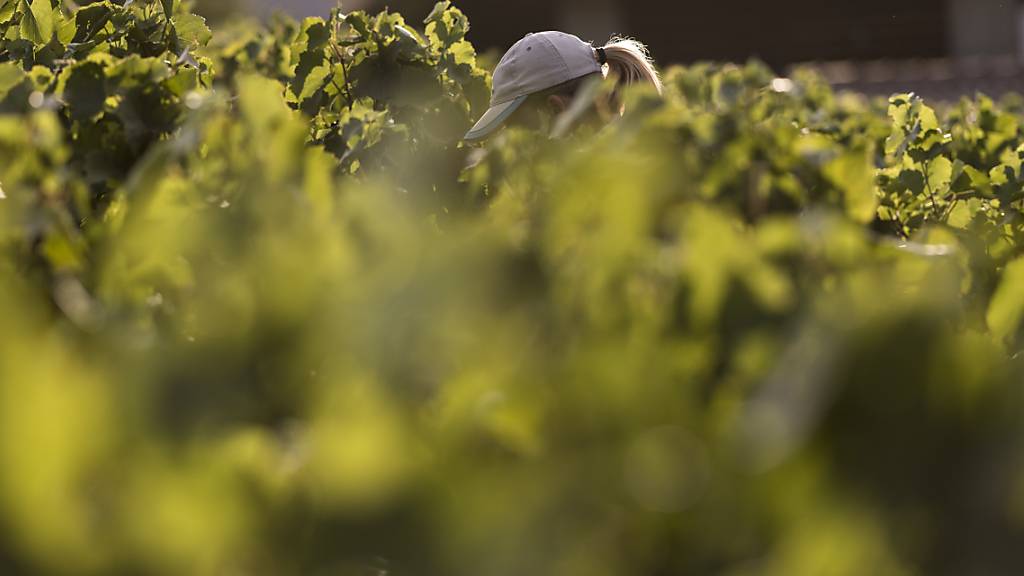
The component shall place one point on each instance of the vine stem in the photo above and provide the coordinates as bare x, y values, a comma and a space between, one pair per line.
344, 69
928, 186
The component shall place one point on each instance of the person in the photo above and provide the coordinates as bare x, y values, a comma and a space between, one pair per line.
544, 71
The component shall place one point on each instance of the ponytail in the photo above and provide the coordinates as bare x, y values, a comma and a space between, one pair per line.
629, 62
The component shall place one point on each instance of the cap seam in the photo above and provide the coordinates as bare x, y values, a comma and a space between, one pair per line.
565, 64
568, 71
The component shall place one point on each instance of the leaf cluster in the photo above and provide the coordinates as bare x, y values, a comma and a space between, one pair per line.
262, 312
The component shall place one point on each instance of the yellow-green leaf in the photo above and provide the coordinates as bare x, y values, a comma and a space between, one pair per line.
10, 76
314, 81
66, 30
929, 121
963, 213
37, 21
192, 30
1007, 306
940, 174
854, 174
7, 8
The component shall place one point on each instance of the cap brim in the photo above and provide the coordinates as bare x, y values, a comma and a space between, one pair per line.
493, 119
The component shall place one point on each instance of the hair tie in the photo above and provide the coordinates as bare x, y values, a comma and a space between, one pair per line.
602, 58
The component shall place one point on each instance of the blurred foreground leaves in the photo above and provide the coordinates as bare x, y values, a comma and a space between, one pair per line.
256, 318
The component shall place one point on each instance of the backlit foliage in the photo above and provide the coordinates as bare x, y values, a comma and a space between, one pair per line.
261, 312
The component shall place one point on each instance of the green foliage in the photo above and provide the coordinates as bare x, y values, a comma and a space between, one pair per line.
262, 312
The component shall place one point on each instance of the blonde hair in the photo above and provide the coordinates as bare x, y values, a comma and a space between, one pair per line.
630, 62
625, 60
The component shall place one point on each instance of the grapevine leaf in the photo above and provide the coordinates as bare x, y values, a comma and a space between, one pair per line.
308, 62
913, 180
10, 76
963, 213
260, 101
438, 12
192, 30
899, 108
66, 30
359, 22
90, 20
7, 9
37, 22
1007, 306
84, 90
854, 174
462, 53
979, 180
40, 76
940, 174
184, 81
314, 81
929, 121
1001, 174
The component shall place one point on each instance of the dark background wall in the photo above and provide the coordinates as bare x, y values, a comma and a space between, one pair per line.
779, 32
797, 30
943, 48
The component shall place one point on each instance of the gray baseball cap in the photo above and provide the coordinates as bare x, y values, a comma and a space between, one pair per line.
537, 62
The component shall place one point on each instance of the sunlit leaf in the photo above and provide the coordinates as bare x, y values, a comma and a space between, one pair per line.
7, 10
1007, 307
192, 30
854, 174
37, 21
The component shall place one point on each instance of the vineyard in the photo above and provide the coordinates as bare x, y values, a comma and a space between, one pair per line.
263, 312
